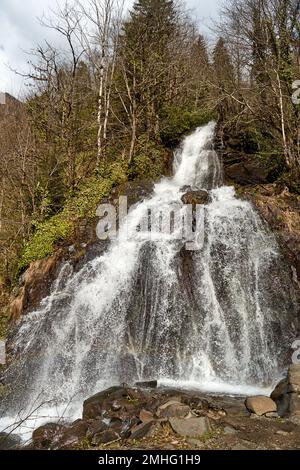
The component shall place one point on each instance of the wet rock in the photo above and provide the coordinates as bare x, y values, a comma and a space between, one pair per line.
9, 441
144, 429
116, 406
191, 427
73, 435
280, 397
145, 416
36, 283
148, 384
173, 409
93, 406
114, 399
195, 197
48, 435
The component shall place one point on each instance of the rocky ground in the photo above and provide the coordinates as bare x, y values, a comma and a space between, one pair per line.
144, 417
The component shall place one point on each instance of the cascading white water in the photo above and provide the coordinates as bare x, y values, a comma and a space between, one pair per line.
219, 318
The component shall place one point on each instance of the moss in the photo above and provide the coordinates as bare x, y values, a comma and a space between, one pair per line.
3, 323
273, 160
4, 310
180, 121
61, 226
46, 236
208, 435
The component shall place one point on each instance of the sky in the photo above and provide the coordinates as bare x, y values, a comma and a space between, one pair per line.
21, 31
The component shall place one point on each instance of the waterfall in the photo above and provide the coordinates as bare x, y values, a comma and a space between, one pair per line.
217, 318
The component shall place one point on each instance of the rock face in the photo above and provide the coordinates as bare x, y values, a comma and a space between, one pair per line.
35, 285
294, 391
195, 197
294, 378
244, 170
191, 427
287, 394
260, 405
281, 397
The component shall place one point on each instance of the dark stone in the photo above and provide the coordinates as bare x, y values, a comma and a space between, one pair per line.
195, 197
93, 406
73, 435
244, 170
9, 441
149, 384
116, 404
281, 397
96, 427
48, 435
144, 429
105, 437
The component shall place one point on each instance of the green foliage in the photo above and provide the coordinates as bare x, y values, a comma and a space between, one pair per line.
179, 121
273, 161
149, 160
3, 323
46, 236
60, 227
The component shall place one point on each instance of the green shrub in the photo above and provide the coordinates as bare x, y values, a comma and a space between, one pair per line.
180, 121
61, 226
47, 234
150, 159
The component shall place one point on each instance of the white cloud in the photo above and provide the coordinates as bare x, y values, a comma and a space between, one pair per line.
20, 31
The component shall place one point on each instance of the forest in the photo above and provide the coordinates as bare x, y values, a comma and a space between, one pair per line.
112, 101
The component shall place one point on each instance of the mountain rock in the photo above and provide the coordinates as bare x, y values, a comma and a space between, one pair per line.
260, 405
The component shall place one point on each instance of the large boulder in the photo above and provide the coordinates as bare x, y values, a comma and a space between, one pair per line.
72, 436
48, 435
244, 169
173, 409
195, 198
280, 397
191, 427
93, 406
121, 403
260, 405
